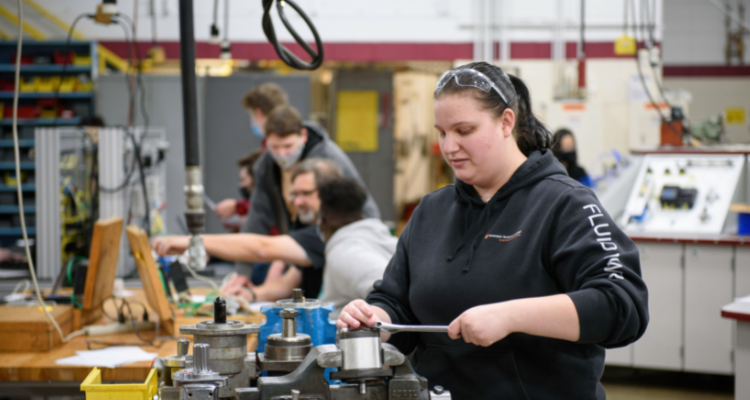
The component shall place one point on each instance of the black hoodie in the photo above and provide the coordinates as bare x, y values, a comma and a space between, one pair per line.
541, 234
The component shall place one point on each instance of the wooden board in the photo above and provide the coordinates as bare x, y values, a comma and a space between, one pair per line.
29, 329
740, 208
105, 251
149, 273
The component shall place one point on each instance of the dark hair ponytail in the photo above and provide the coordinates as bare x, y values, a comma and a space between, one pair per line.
529, 132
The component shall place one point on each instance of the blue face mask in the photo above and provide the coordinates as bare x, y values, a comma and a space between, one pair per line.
255, 129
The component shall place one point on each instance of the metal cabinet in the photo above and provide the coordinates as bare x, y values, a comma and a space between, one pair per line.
620, 357
742, 271
709, 285
661, 346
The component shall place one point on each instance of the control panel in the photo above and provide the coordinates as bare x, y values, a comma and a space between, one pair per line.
683, 193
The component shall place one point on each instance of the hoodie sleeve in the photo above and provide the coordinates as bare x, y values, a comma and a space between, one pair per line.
598, 266
392, 293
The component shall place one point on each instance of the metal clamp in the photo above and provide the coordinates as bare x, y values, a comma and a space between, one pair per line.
393, 328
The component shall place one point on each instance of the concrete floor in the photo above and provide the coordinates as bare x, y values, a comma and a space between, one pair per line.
629, 384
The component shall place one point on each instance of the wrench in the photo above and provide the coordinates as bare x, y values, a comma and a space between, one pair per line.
393, 328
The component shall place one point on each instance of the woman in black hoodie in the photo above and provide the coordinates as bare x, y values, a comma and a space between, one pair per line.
524, 264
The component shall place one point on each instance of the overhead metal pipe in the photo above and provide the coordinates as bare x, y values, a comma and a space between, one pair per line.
187, 72
194, 216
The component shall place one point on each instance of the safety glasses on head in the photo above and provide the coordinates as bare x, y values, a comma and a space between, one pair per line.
472, 78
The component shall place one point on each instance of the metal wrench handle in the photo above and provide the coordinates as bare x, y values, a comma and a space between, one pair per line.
393, 328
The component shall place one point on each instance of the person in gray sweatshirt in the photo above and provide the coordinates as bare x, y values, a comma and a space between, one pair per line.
357, 248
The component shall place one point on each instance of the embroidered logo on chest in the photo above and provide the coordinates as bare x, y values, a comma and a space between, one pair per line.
503, 238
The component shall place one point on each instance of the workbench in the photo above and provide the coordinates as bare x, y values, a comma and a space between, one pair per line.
24, 374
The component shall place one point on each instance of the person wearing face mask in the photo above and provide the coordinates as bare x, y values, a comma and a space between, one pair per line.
301, 246
564, 148
259, 102
357, 248
523, 264
228, 208
289, 141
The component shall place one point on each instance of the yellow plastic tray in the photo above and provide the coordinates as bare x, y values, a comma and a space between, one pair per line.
68, 84
84, 87
46, 84
27, 85
81, 61
95, 390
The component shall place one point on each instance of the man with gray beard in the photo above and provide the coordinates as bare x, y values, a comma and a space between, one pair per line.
301, 247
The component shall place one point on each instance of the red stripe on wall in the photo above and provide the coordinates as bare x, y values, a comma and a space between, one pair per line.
686, 71
530, 50
333, 51
598, 50
377, 51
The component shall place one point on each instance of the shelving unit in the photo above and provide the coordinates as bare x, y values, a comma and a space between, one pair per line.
40, 61
47, 95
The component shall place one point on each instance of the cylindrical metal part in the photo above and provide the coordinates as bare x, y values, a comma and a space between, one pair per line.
298, 296
362, 388
289, 322
220, 311
195, 216
295, 394
183, 345
228, 347
288, 346
189, 89
194, 188
360, 350
227, 353
196, 251
279, 348
200, 358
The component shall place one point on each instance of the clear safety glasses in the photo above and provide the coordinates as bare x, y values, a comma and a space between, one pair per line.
472, 78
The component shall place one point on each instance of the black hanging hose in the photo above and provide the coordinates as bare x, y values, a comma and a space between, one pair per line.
285, 54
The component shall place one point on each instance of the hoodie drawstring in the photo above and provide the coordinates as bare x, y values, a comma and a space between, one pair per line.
480, 233
475, 235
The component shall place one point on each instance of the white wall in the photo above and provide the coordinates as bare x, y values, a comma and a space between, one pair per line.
695, 33
606, 122
369, 21
713, 96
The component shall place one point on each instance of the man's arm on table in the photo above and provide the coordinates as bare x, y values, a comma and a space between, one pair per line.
256, 248
240, 247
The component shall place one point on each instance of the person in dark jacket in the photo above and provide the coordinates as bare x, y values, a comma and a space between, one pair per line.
289, 141
531, 274
564, 148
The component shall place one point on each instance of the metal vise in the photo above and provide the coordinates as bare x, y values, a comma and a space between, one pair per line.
222, 369
360, 358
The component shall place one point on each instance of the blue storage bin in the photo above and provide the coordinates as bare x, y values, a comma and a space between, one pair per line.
743, 224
